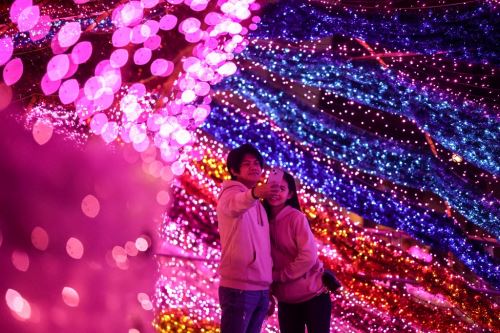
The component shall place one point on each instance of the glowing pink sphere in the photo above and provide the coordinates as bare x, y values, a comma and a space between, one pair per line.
162, 67
69, 90
142, 56
48, 86
57, 67
69, 34
168, 22
17, 8
153, 42
121, 37
6, 49
13, 71
81, 52
28, 18
41, 29
118, 58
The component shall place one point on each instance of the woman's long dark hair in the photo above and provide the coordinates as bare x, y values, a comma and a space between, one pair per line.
292, 188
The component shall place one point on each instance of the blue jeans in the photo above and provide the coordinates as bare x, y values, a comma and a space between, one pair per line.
243, 311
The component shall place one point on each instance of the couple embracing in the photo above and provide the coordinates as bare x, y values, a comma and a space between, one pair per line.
268, 252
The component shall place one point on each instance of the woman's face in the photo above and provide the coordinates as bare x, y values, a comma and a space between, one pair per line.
282, 196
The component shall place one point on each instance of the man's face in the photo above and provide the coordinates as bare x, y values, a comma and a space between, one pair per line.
250, 170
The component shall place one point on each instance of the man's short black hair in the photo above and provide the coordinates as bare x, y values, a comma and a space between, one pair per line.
235, 157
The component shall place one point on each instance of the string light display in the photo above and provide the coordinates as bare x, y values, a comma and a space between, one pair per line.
403, 164
410, 289
385, 112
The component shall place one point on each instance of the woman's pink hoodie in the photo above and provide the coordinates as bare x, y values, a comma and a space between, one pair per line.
297, 270
244, 233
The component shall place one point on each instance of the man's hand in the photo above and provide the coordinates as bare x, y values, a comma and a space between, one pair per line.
265, 191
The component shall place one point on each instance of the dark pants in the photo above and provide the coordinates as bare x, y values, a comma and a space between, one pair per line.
314, 313
243, 311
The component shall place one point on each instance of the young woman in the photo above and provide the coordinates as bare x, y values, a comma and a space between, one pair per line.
303, 301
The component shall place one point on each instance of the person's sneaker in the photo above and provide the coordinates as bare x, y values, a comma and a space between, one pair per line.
330, 281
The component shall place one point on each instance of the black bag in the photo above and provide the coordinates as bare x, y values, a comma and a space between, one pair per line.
330, 281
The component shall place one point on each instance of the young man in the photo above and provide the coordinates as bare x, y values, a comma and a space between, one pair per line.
246, 264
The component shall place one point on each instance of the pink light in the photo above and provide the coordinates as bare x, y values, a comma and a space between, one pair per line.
200, 114
83, 106
49, 86
182, 136
213, 18
13, 71
229, 68
153, 25
40, 238
119, 254
198, 5
191, 64
189, 25
70, 297
234, 28
168, 22
105, 100
42, 131
142, 56
149, 3
69, 34
17, 7
5, 95
187, 83
6, 49
162, 67
94, 87
153, 42
127, 15
74, 248
28, 18
188, 96
97, 123
137, 89
56, 47
206, 74
194, 37
118, 58
163, 198
20, 260
72, 69
57, 67
141, 146
110, 131
69, 91
18, 304
142, 243
130, 249
175, 2
121, 37
140, 33
81, 52
202, 89
154, 121
131, 109
178, 168
169, 154
137, 133
215, 58
90, 206
41, 29
112, 78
